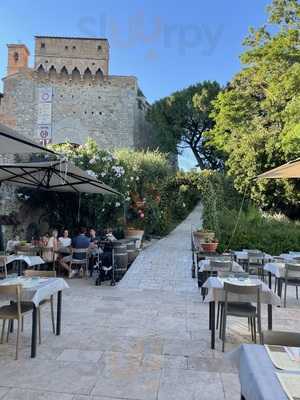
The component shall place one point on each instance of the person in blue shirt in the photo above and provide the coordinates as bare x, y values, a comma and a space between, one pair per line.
80, 241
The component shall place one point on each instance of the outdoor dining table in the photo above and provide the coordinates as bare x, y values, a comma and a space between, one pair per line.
216, 293
30, 261
277, 269
205, 266
243, 256
35, 290
257, 373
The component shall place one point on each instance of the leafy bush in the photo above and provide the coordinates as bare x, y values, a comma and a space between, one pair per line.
154, 197
241, 225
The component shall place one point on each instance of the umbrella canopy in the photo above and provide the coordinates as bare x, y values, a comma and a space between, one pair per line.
12, 142
289, 170
60, 176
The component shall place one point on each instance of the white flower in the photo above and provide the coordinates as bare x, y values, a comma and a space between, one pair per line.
117, 204
137, 178
131, 178
183, 205
128, 198
26, 197
20, 195
103, 174
103, 210
93, 160
91, 173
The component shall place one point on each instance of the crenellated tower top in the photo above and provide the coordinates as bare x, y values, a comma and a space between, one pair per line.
74, 56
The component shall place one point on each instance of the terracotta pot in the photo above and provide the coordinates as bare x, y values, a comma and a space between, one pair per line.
209, 247
135, 234
205, 236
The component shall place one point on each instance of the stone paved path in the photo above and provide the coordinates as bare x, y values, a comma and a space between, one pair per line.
142, 343
166, 265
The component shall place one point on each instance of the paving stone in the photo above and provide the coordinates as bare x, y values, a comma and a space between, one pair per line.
21, 394
146, 338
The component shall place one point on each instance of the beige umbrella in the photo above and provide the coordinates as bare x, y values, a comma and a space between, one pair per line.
289, 170
12, 142
58, 176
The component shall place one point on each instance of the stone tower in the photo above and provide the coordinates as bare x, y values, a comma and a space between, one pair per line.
83, 55
69, 96
18, 55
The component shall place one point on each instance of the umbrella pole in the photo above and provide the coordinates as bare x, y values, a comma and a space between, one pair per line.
78, 212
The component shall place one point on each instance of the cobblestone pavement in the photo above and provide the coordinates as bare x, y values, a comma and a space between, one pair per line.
167, 264
142, 343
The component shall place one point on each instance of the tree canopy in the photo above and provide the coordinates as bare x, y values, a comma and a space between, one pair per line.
181, 120
257, 116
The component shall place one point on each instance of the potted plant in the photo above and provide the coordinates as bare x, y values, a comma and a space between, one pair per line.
210, 246
204, 234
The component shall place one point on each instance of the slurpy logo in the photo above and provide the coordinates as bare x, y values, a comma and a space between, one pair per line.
155, 34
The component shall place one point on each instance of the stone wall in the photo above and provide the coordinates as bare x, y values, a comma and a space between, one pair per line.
107, 110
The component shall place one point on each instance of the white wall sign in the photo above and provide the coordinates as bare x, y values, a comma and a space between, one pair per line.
45, 95
45, 134
44, 115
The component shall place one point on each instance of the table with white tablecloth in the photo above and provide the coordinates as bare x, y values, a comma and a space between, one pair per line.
257, 373
216, 293
35, 290
243, 256
205, 266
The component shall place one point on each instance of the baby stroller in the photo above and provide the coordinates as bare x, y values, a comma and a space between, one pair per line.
104, 264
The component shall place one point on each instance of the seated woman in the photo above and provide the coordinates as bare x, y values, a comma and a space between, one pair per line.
48, 253
64, 241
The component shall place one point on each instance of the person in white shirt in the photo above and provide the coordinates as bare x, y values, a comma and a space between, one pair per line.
65, 240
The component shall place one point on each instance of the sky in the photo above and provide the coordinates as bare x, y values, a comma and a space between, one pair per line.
168, 45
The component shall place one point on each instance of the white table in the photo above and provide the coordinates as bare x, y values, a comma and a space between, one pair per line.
216, 293
204, 266
275, 268
257, 373
35, 290
243, 256
31, 261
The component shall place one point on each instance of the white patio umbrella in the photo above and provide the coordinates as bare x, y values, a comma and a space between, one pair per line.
12, 142
59, 176
288, 170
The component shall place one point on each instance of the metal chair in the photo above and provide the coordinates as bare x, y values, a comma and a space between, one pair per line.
14, 311
50, 300
220, 266
27, 250
49, 254
280, 338
3, 267
80, 262
292, 278
241, 309
256, 261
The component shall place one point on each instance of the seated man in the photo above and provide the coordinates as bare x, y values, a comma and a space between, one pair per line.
81, 241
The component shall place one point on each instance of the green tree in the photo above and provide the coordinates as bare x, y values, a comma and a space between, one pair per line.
182, 119
258, 115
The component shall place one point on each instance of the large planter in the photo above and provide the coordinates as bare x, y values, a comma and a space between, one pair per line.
135, 234
203, 237
209, 247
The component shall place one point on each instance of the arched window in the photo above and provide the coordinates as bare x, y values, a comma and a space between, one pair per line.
41, 71
16, 57
75, 74
64, 72
52, 72
99, 74
87, 74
